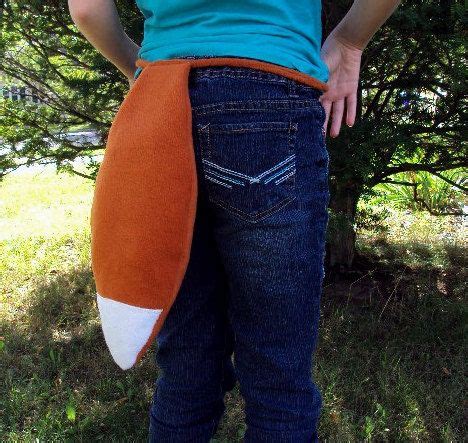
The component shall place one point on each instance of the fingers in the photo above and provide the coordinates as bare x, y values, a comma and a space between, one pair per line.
337, 117
336, 113
327, 104
351, 109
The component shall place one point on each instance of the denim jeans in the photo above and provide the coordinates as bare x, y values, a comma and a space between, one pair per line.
248, 308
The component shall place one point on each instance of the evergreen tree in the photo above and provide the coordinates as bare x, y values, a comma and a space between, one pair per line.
411, 99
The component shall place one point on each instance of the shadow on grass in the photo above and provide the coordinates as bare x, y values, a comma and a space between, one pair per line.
60, 380
389, 360
391, 356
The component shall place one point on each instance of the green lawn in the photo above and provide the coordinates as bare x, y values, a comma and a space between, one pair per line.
389, 362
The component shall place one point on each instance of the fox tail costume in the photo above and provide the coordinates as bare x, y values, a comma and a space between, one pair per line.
144, 205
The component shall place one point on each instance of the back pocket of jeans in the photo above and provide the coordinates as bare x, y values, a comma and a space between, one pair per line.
249, 169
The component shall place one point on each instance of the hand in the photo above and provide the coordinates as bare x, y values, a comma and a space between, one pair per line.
344, 63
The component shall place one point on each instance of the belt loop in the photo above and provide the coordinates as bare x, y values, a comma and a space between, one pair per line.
292, 86
141, 63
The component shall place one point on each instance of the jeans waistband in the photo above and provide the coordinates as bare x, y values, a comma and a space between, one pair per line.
216, 71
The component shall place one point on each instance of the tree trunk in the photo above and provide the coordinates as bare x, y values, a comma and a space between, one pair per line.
341, 245
344, 195
332, 13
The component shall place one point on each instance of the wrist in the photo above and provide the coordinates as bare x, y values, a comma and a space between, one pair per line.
348, 39
128, 66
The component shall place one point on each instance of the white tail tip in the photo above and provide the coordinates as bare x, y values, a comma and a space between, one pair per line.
126, 329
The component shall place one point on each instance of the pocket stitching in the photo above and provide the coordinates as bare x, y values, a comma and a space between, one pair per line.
206, 149
257, 216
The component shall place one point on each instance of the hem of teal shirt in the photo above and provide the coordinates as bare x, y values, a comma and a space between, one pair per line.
168, 52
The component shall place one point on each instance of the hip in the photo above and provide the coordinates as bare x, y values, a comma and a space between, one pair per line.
259, 142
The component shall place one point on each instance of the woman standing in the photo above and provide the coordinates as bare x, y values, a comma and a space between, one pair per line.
253, 284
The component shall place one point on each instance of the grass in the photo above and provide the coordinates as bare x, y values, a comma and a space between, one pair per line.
389, 362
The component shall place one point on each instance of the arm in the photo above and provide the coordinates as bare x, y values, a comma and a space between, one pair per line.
342, 52
99, 22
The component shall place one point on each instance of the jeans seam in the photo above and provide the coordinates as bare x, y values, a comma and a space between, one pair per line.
255, 105
249, 127
247, 77
248, 72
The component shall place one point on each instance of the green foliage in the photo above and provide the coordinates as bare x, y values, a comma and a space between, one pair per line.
428, 193
41, 49
411, 113
412, 100
71, 412
371, 218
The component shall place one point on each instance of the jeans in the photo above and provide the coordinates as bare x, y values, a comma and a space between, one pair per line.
248, 308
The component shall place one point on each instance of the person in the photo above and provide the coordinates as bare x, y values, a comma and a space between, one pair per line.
253, 285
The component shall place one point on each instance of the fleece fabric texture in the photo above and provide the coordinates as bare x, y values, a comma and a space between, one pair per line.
145, 200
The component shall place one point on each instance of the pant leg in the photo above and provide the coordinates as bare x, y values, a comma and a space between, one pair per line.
266, 172
274, 274
194, 350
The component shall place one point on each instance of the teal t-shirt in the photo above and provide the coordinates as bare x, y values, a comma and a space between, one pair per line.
284, 32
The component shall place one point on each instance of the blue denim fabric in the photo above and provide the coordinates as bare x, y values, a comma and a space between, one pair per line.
253, 285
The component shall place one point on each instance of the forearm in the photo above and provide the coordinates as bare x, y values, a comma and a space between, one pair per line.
99, 22
363, 19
